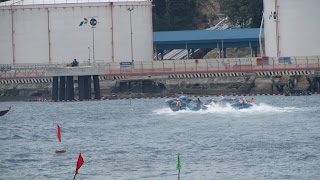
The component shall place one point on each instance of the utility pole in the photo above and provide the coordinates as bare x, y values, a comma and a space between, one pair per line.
131, 9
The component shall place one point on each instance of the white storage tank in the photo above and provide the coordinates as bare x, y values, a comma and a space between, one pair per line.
49, 32
291, 28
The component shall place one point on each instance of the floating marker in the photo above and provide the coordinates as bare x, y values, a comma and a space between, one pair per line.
59, 137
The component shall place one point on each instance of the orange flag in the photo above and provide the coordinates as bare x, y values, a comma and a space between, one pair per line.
59, 133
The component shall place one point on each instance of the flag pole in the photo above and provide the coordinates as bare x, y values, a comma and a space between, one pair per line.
179, 175
74, 176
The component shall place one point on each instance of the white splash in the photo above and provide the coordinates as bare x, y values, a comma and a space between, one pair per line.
256, 108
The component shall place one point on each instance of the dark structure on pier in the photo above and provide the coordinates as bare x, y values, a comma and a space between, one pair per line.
63, 82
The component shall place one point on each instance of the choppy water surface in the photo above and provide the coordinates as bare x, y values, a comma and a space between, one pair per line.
278, 139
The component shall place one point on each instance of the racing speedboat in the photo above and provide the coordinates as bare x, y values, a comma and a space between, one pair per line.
183, 103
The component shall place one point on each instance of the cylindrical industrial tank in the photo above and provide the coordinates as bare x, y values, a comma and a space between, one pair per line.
291, 28
50, 32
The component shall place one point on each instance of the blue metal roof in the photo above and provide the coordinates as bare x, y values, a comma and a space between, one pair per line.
206, 39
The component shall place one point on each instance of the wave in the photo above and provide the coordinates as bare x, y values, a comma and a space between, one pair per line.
11, 137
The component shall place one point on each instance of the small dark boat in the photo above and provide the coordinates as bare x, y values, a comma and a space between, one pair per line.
3, 112
60, 151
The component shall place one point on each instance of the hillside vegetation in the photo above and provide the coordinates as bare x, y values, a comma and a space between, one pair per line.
173, 15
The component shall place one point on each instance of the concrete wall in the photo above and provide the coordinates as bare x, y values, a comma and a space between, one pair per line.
166, 85
50, 33
296, 26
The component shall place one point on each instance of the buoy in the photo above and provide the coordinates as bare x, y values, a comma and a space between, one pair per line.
59, 137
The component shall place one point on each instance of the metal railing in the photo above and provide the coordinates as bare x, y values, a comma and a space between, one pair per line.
215, 65
40, 2
173, 67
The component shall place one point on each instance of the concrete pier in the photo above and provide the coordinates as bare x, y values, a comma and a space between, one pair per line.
66, 89
81, 85
96, 85
62, 88
87, 87
70, 88
55, 88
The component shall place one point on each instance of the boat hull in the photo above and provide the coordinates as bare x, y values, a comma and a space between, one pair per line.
186, 103
3, 112
60, 151
241, 106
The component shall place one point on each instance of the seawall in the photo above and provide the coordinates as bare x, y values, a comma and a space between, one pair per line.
149, 85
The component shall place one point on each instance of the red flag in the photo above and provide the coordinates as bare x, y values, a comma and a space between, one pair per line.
59, 133
79, 163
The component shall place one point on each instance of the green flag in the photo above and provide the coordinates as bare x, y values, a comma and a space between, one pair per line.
179, 163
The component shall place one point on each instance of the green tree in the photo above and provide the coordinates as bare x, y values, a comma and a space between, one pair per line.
246, 13
160, 7
160, 15
173, 15
182, 13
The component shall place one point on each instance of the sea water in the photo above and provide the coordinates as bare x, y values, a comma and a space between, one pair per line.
279, 138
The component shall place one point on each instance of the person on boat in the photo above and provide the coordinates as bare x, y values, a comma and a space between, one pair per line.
221, 96
244, 101
253, 101
179, 103
198, 103
212, 101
